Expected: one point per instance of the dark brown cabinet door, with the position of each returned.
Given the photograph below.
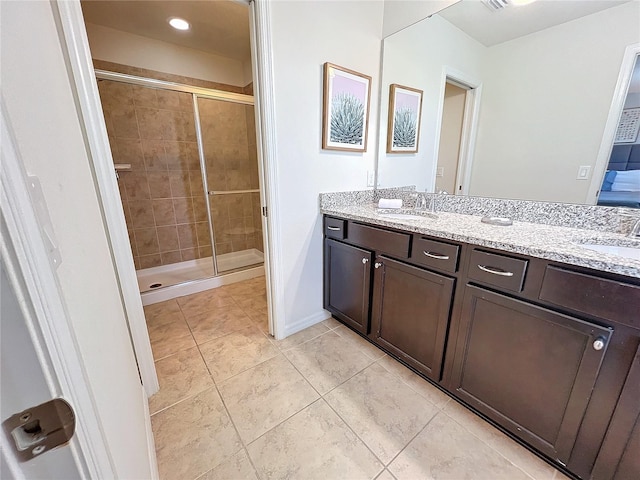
(347, 283)
(410, 313)
(529, 369)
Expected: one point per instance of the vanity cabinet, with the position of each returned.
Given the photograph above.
(528, 368)
(410, 315)
(548, 352)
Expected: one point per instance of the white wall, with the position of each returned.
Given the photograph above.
(40, 105)
(545, 103)
(346, 33)
(126, 48)
(417, 57)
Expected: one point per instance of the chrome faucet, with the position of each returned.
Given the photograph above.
(421, 203)
(635, 230)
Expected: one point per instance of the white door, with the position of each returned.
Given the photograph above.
(23, 385)
(78, 311)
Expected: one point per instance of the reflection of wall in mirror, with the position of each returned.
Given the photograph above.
(545, 107)
(541, 117)
(415, 57)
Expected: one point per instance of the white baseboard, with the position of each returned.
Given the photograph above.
(305, 323)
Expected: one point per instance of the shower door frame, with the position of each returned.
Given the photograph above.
(196, 93)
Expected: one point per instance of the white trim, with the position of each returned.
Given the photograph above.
(264, 97)
(33, 277)
(306, 322)
(73, 38)
(617, 103)
(469, 126)
(151, 447)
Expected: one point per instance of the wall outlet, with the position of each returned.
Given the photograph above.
(583, 172)
(371, 178)
(440, 172)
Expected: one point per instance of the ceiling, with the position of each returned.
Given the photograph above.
(219, 27)
(493, 27)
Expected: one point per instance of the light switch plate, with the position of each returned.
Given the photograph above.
(370, 178)
(440, 172)
(583, 172)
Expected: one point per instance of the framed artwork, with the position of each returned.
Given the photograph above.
(345, 112)
(405, 109)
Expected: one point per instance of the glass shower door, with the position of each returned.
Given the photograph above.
(230, 157)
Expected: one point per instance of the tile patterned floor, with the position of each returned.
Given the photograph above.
(324, 403)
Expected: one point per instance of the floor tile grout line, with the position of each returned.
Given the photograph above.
(411, 440)
(489, 444)
(188, 397)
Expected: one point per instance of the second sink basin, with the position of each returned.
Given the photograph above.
(621, 251)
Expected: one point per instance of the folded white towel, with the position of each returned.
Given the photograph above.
(390, 203)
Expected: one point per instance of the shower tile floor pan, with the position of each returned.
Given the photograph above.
(187, 271)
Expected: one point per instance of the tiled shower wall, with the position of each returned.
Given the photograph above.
(162, 194)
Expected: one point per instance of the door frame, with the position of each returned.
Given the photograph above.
(30, 267)
(469, 132)
(75, 44)
(615, 111)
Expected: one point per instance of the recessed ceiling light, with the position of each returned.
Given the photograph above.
(179, 23)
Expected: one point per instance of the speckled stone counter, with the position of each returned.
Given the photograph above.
(551, 242)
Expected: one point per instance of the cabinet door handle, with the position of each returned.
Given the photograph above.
(377, 264)
(335, 229)
(365, 260)
(437, 256)
(495, 271)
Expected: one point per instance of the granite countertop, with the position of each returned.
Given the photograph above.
(561, 244)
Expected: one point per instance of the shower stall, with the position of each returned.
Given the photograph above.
(187, 167)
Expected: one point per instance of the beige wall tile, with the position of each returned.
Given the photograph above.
(150, 122)
(141, 213)
(180, 185)
(144, 96)
(204, 252)
(183, 208)
(159, 184)
(187, 236)
(125, 124)
(154, 155)
(169, 99)
(148, 261)
(163, 212)
(189, 253)
(204, 238)
(147, 241)
(171, 257)
(222, 248)
(136, 185)
(168, 238)
(129, 151)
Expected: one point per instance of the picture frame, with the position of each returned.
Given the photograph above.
(405, 113)
(345, 112)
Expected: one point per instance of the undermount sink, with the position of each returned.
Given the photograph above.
(621, 251)
(405, 216)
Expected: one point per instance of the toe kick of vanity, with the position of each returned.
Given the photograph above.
(548, 352)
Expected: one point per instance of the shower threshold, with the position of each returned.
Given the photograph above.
(161, 283)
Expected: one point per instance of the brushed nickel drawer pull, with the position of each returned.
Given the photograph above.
(495, 271)
(437, 256)
(335, 229)
(365, 261)
(377, 264)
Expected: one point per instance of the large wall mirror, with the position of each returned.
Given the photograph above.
(517, 100)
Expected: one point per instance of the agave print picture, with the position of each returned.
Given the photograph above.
(405, 108)
(345, 113)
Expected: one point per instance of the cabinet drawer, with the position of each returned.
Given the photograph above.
(497, 270)
(433, 253)
(392, 243)
(600, 297)
(335, 228)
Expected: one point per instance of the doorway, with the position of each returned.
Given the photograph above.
(460, 104)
